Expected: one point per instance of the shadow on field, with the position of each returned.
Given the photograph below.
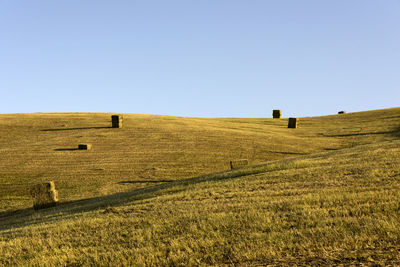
(288, 153)
(145, 181)
(395, 132)
(71, 129)
(13, 220)
(66, 149)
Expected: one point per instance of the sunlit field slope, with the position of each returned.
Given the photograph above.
(150, 149)
(159, 192)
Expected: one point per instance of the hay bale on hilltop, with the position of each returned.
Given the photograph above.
(276, 114)
(84, 146)
(116, 121)
(238, 163)
(44, 195)
(292, 123)
(342, 112)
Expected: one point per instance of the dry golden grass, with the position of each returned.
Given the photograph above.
(325, 193)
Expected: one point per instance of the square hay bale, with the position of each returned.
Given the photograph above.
(116, 121)
(342, 112)
(44, 195)
(292, 123)
(238, 163)
(276, 114)
(84, 146)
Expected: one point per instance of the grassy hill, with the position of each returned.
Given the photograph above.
(158, 191)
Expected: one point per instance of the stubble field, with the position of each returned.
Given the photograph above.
(159, 191)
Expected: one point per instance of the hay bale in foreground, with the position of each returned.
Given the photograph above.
(292, 123)
(238, 163)
(342, 112)
(276, 114)
(116, 121)
(44, 195)
(84, 146)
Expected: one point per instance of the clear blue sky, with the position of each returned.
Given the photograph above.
(204, 58)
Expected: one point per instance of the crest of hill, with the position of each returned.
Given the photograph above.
(153, 149)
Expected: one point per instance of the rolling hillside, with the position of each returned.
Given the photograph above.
(158, 191)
